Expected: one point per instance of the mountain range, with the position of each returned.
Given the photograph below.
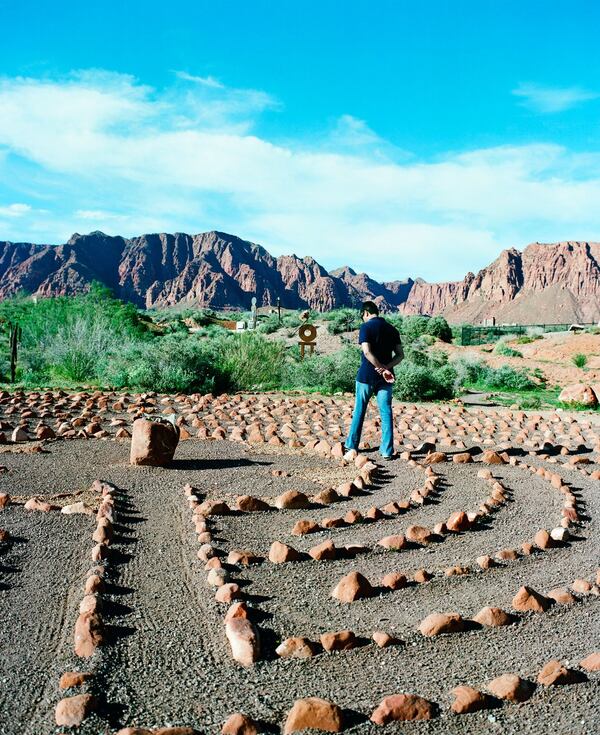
(544, 283)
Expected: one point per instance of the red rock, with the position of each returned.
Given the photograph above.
(462, 458)
(438, 623)
(4, 500)
(543, 539)
(238, 724)
(493, 617)
(73, 679)
(280, 553)
(491, 457)
(90, 604)
(527, 548)
(582, 586)
(591, 662)
(244, 641)
(333, 522)
(403, 707)
(227, 593)
(40, 505)
(507, 555)
(72, 711)
(324, 551)
(485, 562)
(327, 496)
(456, 571)
(458, 521)
(304, 526)
(467, 699)
(100, 552)
(578, 393)
(89, 633)
(419, 534)
(237, 610)
(354, 586)
(394, 581)
(213, 508)
(153, 442)
(296, 648)
(292, 499)
(555, 673)
(248, 503)
(528, 599)
(395, 543)
(511, 687)
(422, 575)
(342, 640)
(243, 558)
(315, 713)
(562, 596)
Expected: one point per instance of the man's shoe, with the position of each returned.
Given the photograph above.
(388, 457)
(350, 455)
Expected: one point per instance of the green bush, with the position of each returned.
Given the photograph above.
(415, 382)
(579, 360)
(343, 320)
(470, 370)
(413, 327)
(503, 349)
(325, 373)
(250, 361)
(438, 327)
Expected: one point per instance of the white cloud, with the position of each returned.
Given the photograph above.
(552, 99)
(205, 81)
(116, 155)
(14, 210)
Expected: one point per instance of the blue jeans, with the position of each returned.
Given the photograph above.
(364, 391)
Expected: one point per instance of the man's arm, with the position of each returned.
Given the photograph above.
(398, 356)
(367, 352)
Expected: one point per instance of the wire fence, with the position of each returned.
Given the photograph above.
(469, 335)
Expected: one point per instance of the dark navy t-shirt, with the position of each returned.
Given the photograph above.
(383, 338)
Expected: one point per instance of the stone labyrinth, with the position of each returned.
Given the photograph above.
(263, 583)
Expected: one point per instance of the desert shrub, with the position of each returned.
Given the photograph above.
(438, 327)
(343, 320)
(413, 327)
(268, 325)
(249, 361)
(416, 382)
(396, 320)
(508, 378)
(504, 349)
(593, 330)
(325, 373)
(579, 360)
(525, 339)
(535, 332)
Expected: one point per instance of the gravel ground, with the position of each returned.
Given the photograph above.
(167, 661)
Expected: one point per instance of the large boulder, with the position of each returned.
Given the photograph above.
(579, 393)
(153, 442)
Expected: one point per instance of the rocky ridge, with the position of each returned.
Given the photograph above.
(557, 282)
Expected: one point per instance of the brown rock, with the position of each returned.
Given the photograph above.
(244, 558)
(582, 586)
(238, 724)
(280, 553)
(422, 575)
(394, 543)
(89, 633)
(4, 500)
(511, 687)
(72, 711)
(153, 442)
(555, 673)
(462, 458)
(507, 555)
(227, 593)
(493, 617)
(543, 540)
(213, 508)
(324, 551)
(354, 586)
(342, 640)
(134, 731)
(394, 581)
(578, 393)
(467, 699)
(237, 610)
(315, 713)
(296, 648)
(485, 562)
(40, 505)
(419, 534)
(292, 499)
(491, 457)
(304, 526)
(403, 707)
(248, 503)
(244, 641)
(591, 662)
(528, 599)
(73, 679)
(562, 596)
(438, 623)
(458, 521)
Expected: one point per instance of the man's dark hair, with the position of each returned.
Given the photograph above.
(370, 307)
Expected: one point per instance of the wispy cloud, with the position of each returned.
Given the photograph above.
(14, 210)
(205, 81)
(102, 151)
(548, 100)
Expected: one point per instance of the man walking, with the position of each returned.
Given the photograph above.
(381, 352)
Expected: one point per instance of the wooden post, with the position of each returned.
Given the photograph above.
(13, 341)
(279, 308)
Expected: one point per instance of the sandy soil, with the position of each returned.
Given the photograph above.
(166, 660)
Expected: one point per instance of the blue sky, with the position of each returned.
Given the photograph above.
(400, 138)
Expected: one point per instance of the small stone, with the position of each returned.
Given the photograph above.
(237, 610)
(296, 648)
(543, 540)
(315, 713)
(324, 551)
(419, 534)
(438, 623)
(456, 571)
(79, 507)
(491, 457)
(560, 534)
(384, 640)
(507, 555)
(434, 458)
(462, 458)
(89, 633)
(40, 505)
(493, 617)
(217, 577)
(19, 435)
(562, 596)
(244, 641)
(72, 711)
(403, 707)
(248, 504)
(292, 499)
(591, 662)
(243, 558)
(485, 562)
(213, 508)
(511, 687)
(73, 679)
(4, 500)
(305, 526)
(467, 699)
(227, 593)
(394, 543)
(394, 581)
(582, 586)
(458, 521)
(354, 586)
(528, 599)
(422, 575)
(238, 724)
(554, 673)
(342, 640)
(280, 553)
